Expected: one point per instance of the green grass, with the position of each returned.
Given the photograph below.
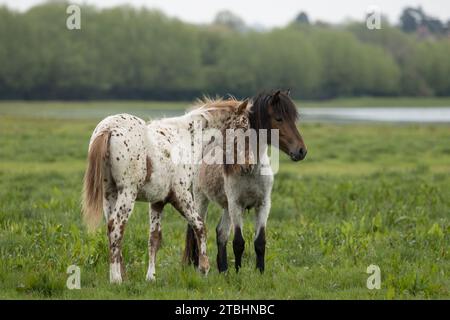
(366, 194)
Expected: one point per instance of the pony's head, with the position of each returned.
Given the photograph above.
(240, 118)
(276, 110)
(223, 114)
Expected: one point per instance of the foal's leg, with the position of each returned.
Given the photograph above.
(223, 230)
(262, 213)
(116, 227)
(238, 241)
(154, 240)
(109, 198)
(191, 249)
(183, 201)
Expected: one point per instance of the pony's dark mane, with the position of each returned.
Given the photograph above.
(282, 106)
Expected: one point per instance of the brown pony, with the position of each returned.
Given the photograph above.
(237, 187)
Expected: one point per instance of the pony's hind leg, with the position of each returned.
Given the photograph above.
(154, 240)
(116, 227)
(183, 201)
(223, 230)
(262, 213)
(191, 255)
(128, 168)
(109, 197)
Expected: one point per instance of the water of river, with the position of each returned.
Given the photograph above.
(391, 114)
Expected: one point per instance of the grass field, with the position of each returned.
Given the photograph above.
(366, 194)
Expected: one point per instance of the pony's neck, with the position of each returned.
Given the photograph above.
(186, 121)
(262, 153)
(258, 124)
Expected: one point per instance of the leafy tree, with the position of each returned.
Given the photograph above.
(302, 18)
(131, 53)
(230, 20)
(411, 19)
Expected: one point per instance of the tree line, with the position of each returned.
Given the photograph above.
(127, 53)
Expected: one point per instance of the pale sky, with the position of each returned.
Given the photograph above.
(268, 13)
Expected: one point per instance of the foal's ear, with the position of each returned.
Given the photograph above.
(243, 106)
(276, 96)
(288, 92)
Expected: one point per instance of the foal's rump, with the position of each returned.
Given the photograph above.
(117, 159)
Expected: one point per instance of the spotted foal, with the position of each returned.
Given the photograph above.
(130, 160)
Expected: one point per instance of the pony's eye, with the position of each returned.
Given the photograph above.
(279, 119)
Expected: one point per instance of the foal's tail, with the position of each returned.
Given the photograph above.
(92, 202)
(191, 250)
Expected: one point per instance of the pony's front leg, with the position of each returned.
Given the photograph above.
(154, 240)
(223, 230)
(183, 201)
(262, 213)
(116, 228)
(238, 240)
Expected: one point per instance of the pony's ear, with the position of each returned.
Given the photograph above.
(288, 92)
(276, 96)
(243, 106)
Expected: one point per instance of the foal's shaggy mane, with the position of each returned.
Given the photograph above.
(207, 105)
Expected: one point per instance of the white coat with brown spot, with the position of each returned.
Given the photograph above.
(130, 160)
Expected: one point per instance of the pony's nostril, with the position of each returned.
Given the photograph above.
(298, 155)
(302, 152)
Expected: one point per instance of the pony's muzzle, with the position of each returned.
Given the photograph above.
(298, 155)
